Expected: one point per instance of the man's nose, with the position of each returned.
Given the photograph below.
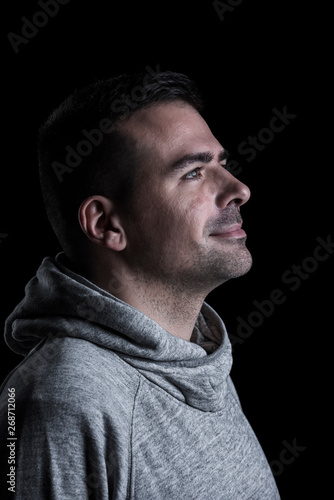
(231, 190)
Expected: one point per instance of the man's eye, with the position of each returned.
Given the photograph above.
(194, 174)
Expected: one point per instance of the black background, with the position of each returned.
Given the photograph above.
(263, 55)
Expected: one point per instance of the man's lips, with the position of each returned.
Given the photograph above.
(234, 231)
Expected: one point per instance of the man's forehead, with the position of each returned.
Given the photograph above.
(162, 118)
(170, 129)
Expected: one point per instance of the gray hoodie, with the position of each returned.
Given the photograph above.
(109, 405)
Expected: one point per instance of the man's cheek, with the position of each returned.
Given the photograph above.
(169, 213)
(201, 201)
(198, 212)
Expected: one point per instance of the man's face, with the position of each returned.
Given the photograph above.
(185, 228)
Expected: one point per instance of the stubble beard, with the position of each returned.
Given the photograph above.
(203, 271)
(196, 269)
(212, 268)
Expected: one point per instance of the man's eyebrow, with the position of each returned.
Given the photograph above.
(189, 159)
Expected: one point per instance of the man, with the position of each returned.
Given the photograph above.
(125, 391)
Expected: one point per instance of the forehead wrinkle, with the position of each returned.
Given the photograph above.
(175, 137)
(148, 127)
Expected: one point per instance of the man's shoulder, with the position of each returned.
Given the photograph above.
(63, 370)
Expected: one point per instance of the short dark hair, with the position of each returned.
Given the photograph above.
(82, 152)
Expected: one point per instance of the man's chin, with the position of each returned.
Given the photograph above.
(236, 263)
(243, 261)
(245, 266)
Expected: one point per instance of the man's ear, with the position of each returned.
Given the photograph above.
(101, 223)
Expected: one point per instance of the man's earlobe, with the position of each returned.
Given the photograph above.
(101, 223)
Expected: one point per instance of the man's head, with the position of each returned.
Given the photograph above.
(154, 194)
(83, 152)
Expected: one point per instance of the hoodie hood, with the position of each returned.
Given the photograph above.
(59, 303)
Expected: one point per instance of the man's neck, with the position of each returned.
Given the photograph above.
(174, 309)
